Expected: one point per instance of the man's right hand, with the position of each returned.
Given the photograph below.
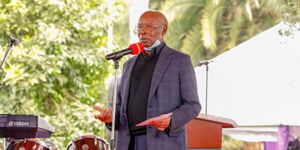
(105, 114)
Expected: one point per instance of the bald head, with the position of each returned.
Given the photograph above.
(152, 26)
(160, 17)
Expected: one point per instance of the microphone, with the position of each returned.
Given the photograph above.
(13, 41)
(203, 62)
(133, 49)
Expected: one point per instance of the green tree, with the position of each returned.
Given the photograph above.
(58, 70)
(206, 28)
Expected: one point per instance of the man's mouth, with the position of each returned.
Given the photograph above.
(143, 39)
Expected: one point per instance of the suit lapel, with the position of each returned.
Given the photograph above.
(160, 69)
(127, 75)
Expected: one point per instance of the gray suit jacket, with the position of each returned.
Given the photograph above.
(173, 89)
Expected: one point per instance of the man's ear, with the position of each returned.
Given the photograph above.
(164, 30)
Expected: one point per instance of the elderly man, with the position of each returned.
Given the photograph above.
(158, 82)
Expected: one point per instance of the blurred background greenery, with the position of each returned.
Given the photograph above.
(58, 70)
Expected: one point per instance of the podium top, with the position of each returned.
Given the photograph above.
(226, 123)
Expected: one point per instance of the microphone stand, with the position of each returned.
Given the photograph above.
(112, 137)
(206, 87)
(11, 43)
(206, 82)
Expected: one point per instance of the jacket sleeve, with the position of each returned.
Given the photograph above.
(190, 106)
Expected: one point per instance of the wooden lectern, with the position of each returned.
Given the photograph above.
(205, 132)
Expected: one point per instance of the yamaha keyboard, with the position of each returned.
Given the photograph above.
(24, 126)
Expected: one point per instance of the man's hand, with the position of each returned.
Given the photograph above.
(163, 122)
(105, 114)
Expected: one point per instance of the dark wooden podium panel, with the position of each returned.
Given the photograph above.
(205, 131)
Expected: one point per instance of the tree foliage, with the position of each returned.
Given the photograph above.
(206, 28)
(58, 70)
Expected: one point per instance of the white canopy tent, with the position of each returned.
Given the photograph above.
(256, 84)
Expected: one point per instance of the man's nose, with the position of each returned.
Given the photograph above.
(142, 32)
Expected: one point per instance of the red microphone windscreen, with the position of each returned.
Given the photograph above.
(136, 48)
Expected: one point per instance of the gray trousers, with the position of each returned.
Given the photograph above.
(138, 142)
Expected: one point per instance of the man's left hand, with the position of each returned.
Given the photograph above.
(163, 122)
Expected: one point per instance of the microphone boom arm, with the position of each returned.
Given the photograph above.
(12, 42)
